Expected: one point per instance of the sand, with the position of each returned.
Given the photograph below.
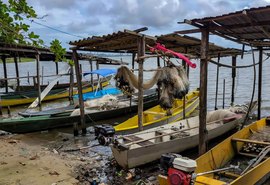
(32, 159)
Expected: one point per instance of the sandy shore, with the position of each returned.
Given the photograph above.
(36, 159)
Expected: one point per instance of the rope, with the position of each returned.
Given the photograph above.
(246, 66)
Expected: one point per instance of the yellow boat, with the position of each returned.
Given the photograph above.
(235, 146)
(156, 116)
(29, 97)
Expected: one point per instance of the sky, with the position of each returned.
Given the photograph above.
(85, 18)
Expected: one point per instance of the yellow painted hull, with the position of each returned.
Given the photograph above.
(63, 94)
(224, 152)
(156, 116)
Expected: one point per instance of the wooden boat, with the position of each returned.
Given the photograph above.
(236, 148)
(146, 146)
(63, 119)
(156, 116)
(20, 98)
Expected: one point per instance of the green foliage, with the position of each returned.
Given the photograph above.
(58, 50)
(13, 29)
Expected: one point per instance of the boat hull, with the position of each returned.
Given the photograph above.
(39, 123)
(226, 151)
(135, 157)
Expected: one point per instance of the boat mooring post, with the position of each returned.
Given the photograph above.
(184, 64)
(79, 86)
(141, 52)
(158, 64)
(5, 72)
(233, 78)
(224, 90)
(71, 85)
(203, 90)
(260, 82)
(17, 72)
(217, 77)
(38, 81)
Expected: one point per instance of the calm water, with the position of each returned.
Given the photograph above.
(243, 88)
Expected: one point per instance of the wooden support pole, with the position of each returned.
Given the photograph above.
(217, 77)
(224, 91)
(184, 64)
(203, 91)
(260, 82)
(57, 70)
(141, 52)
(38, 82)
(133, 60)
(5, 72)
(91, 69)
(79, 86)
(1, 112)
(233, 78)
(17, 73)
(158, 86)
(71, 85)
(42, 75)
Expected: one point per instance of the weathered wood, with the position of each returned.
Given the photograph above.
(217, 78)
(17, 72)
(5, 72)
(91, 69)
(79, 86)
(38, 81)
(260, 82)
(42, 75)
(224, 90)
(56, 69)
(71, 85)
(203, 91)
(141, 52)
(133, 60)
(233, 78)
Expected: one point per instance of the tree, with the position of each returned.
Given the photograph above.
(13, 28)
(59, 52)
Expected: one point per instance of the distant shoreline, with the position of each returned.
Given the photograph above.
(11, 60)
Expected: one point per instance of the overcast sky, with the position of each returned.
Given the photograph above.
(86, 18)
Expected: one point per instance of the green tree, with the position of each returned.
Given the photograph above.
(58, 50)
(13, 28)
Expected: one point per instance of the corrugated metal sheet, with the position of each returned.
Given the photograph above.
(249, 25)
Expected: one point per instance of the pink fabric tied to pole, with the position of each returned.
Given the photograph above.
(161, 47)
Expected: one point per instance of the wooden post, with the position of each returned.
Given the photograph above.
(91, 69)
(71, 85)
(224, 90)
(158, 86)
(203, 91)
(141, 52)
(133, 60)
(17, 73)
(217, 77)
(184, 64)
(42, 75)
(38, 82)
(233, 78)
(56, 69)
(5, 72)
(79, 86)
(1, 112)
(260, 82)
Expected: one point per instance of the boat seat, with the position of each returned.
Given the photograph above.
(132, 138)
(250, 141)
(155, 113)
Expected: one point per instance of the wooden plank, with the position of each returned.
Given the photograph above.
(155, 113)
(38, 81)
(250, 141)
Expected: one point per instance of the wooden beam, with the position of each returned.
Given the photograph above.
(17, 72)
(141, 52)
(79, 86)
(5, 72)
(260, 82)
(233, 78)
(217, 78)
(38, 81)
(140, 35)
(203, 91)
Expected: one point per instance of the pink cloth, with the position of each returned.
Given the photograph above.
(161, 47)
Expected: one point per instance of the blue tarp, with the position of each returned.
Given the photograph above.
(102, 72)
(100, 93)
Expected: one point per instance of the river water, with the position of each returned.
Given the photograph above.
(243, 87)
